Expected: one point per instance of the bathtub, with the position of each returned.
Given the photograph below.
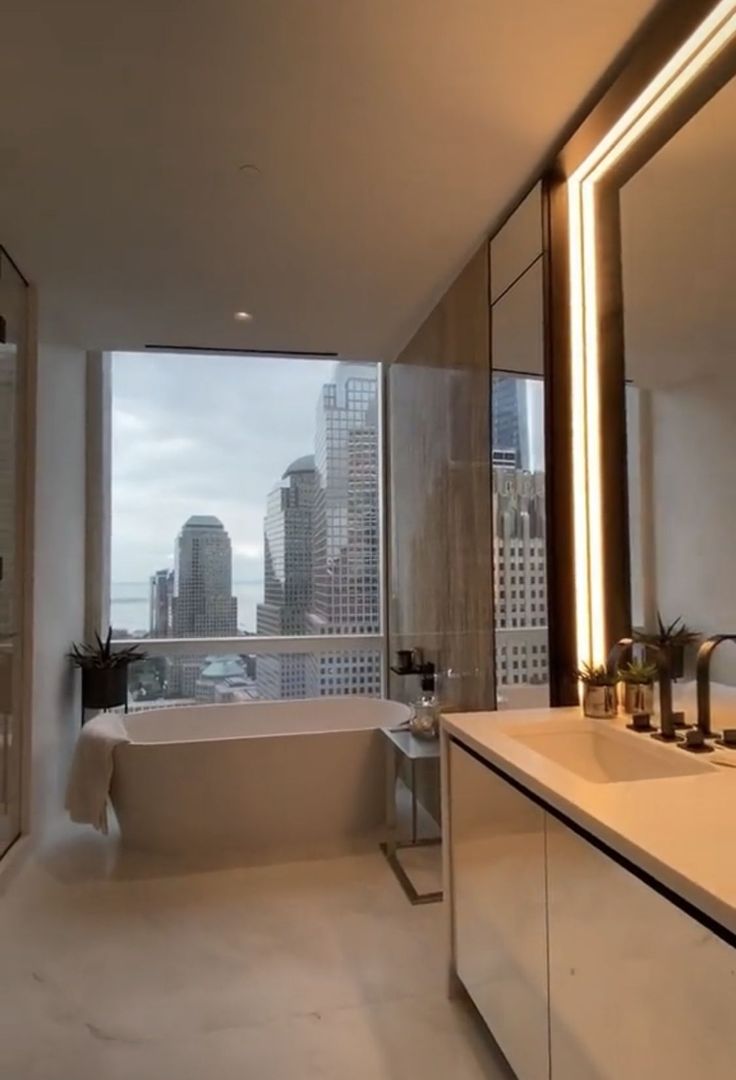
(265, 780)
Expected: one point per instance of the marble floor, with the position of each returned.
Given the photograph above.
(113, 968)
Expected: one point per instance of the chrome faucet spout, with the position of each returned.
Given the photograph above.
(617, 653)
(702, 677)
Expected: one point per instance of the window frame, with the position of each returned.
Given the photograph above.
(98, 537)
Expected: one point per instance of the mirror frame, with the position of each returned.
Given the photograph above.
(687, 55)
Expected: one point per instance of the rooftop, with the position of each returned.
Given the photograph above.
(300, 465)
(222, 668)
(203, 521)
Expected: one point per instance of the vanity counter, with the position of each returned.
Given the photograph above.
(679, 830)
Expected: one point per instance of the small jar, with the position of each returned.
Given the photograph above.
(424, 721)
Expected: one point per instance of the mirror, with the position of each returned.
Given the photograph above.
(521, 632)
(678, 233)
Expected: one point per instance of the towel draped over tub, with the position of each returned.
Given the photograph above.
(90, 776)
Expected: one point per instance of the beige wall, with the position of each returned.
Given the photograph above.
(693, 448)
(59, 570)
(439, 512)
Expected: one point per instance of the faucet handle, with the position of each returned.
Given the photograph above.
(641, 722)
(695, 742)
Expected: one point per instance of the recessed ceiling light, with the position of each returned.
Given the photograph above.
(242, 316)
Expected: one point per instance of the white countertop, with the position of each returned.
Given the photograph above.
(681, 830)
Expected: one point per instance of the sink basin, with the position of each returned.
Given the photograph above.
(604, 755)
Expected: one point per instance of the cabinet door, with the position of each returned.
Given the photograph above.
(498, 882)
(638, 989)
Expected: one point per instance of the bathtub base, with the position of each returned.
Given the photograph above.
(263, 799)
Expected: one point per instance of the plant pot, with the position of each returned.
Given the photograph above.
(638, 698)
(676, 660)
(599, 702)
(104, 688)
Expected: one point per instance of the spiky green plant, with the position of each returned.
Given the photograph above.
(102, 655)
(676, 633)
(638, 673)
(596, 675)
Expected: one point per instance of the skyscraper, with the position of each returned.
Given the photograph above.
(510, 414)
(203, 604)
(162, 595)
(520, 577)
(287, 595)
(346, 530)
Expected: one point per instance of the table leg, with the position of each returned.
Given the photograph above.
(391, 763)
(413, 801)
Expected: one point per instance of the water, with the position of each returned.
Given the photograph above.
(130, 604)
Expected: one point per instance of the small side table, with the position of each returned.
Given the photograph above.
(402, 745)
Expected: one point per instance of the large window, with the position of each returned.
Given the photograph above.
(520, 558)
(246, 504)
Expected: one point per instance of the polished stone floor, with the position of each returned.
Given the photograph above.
(113, 968)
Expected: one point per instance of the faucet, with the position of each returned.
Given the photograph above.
(702, 675)
(412, 662)
(669, 721)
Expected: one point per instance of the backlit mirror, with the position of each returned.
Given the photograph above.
(678, 227)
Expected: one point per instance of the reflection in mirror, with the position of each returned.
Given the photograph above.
(678, 227)
(519, 545)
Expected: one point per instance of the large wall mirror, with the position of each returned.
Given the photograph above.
(677, 220)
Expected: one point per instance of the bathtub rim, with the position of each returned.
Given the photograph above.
(284, 704)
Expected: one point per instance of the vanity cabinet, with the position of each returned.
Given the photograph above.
(580, 969)
(638, 989)
(500, 941)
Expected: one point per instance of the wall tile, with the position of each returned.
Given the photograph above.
(439, 447)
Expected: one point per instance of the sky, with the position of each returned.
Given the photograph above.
(203, 434)
(535, 406)
(211, 434)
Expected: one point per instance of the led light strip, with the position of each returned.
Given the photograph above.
(690, 60)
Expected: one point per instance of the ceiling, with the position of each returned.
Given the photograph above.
(388, 136)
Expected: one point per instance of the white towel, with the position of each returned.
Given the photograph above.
(91, 772)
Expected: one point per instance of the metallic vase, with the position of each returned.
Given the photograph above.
(599, 702)
(638, 698)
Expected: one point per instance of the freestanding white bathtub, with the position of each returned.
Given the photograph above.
(264, 780)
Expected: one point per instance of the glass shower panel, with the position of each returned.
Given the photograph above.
(13, 301)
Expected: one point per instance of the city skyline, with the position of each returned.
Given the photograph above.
(206, 435)
(320, 568)
(131, 593)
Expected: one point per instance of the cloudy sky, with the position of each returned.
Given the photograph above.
(203, 435)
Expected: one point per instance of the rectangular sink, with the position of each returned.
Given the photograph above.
(604, 755)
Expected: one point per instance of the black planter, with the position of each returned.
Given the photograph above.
(105, 688)
(676, 657)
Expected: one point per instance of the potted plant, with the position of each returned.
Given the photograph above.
(104, 671)
(638, 679)
(599, 690)
(672, 638)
